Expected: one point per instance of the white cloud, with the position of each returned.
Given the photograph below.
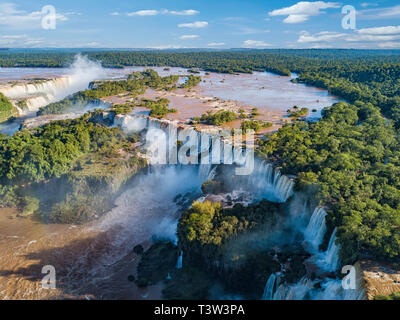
(20, 41)
(189, 37)
(303, 10)
(14, 37)
(367, 4)
(371, 38)
(216, 44)
(197, 24)
(255, 44)
(168, 46)
(296, 18)
(389, 45)
(243, 30)
(381, 30)
(327, 36)
(143, 13)
(115, 13)
(381, 13)
(92, 44)
(12, 17)
(189, 12)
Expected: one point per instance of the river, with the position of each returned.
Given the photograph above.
(94, 260)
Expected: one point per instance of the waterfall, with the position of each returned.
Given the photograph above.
(179, 262)
(265, 181)
(283, 187)
(329, 260)
(26, 90)
(35, 103)
(204, 171)
(297, 291)
(316, 228)
(40, 93)
(212, 173)
(330, 290)
(269, 287)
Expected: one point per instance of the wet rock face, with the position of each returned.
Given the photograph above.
(379, 278)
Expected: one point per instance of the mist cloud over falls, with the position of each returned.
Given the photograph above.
(80, 73)
(38, 94)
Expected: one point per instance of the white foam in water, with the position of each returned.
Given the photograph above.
(269, 287)
(328, 260)
(315, 231)
(79, 75)
(296, 291)
(179, 263)
(270, 184)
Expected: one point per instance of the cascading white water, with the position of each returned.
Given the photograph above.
(329, 260)
(283, 187)
(275, 187)
(40, 93)
(267, 182)
(269, 287)
(44, 87)
(315, 231)
(212, 173)
(180, 260)
(297, 291)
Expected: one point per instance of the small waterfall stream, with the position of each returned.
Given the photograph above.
(269, 287)
(328, 260)
(316, 228)
(180, 260)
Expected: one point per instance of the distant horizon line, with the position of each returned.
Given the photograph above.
(200, 48)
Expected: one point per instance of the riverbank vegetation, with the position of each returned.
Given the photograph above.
(7, 110)
(191, 82)
(254, 125)
(158, 108)
(218, 118)
(218, 240)
(352, 159)
(136, 84)
(65, 171)
(298, 113)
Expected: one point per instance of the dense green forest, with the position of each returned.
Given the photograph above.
(351, 158)
(219, 242)
(158, 108)
(6, 108)
(63, 171)
(217, 118)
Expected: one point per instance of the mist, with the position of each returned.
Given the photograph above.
(80, 73)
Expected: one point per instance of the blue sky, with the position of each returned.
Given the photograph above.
(200, 24)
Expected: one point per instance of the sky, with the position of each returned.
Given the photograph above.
(222, 24)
